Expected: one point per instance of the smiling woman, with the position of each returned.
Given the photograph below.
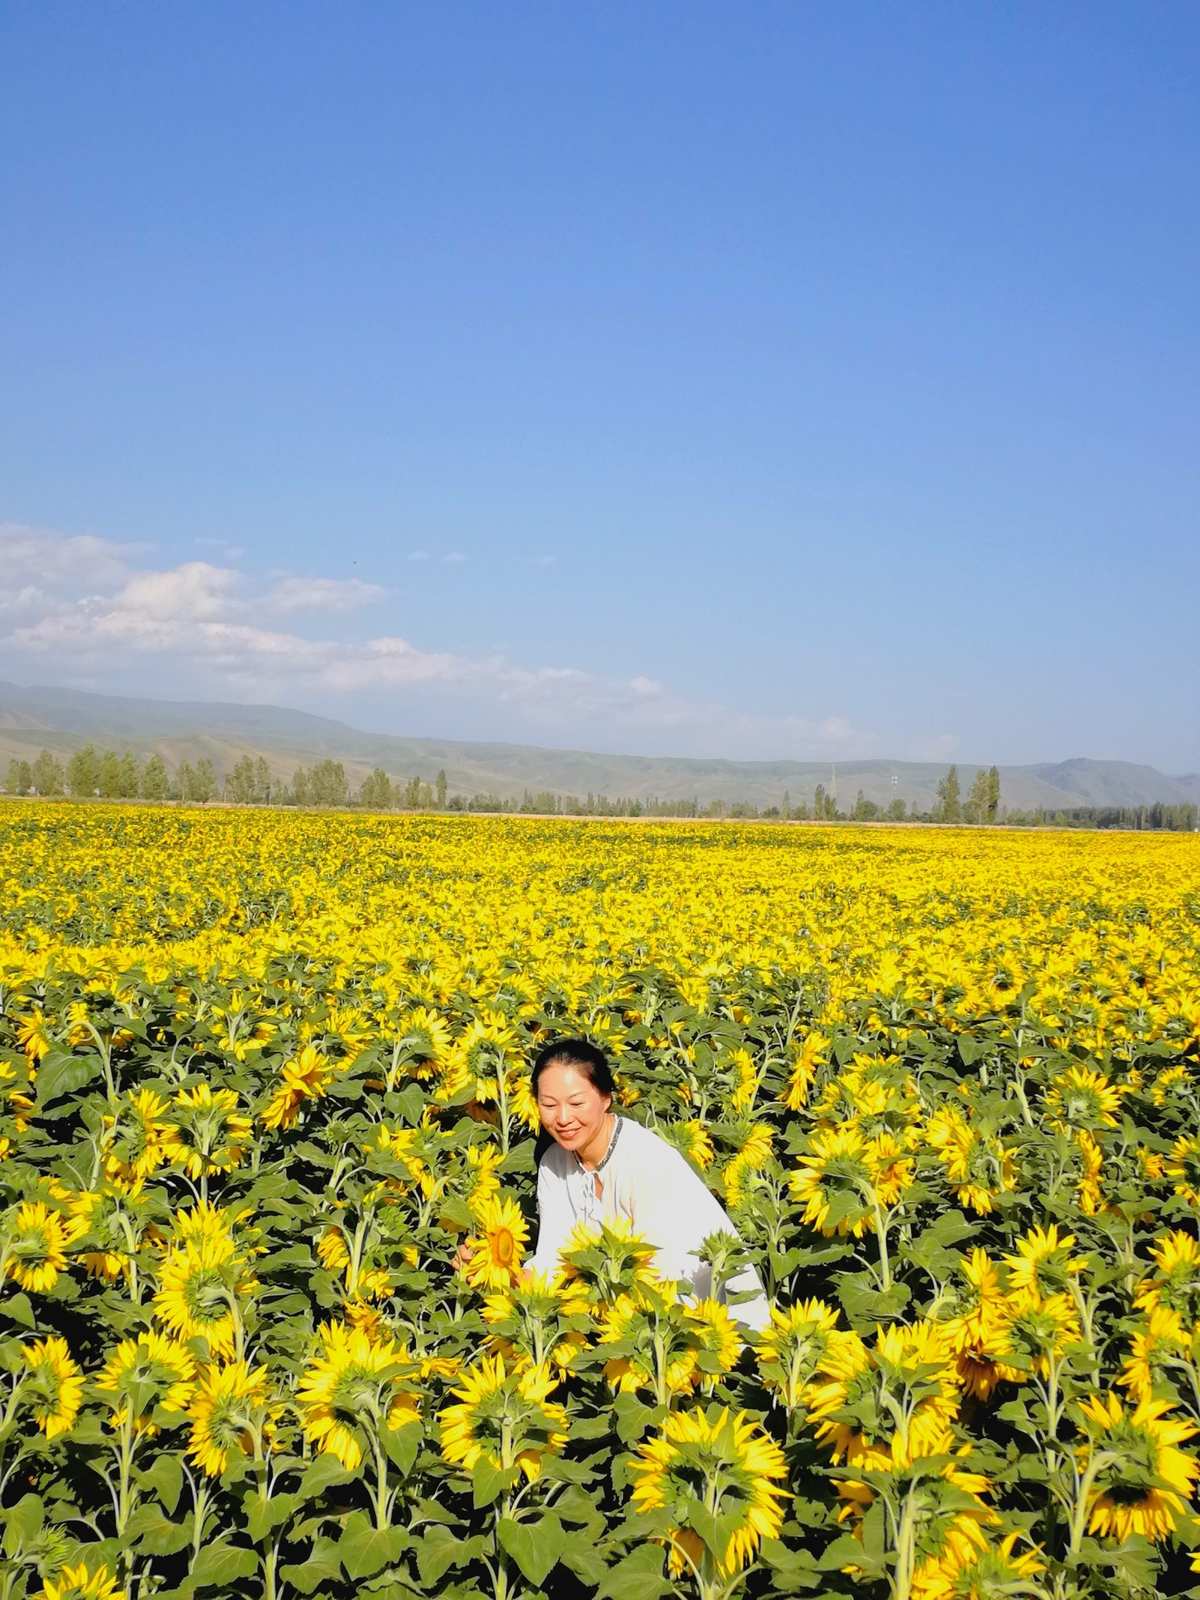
(601, 1166)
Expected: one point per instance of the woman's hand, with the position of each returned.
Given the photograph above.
(462, 1256)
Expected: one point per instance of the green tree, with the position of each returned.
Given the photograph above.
(896, 810)
(20, 776)
(949, 798)
(155, 783)
(47, 774)
(204, 783)
(328, 784)
(239, 785)
(109, 776)
(440, 787)
(262, 781)
(301, 787)
(993, 794)
(83, 772)
(975, 809)
(129, 778)
(375, 791)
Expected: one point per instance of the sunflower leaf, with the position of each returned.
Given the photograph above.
(534, 1546)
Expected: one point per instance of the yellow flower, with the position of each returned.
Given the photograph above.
(790, 1348)
(1081, 1097)
(1043, 1264)
(231, 1410)
(1141, 1481)
(353, 1388)
(847, 1405)
(835, 1183)
(305, 1078)
(208, 1133)
(199, 1286)
(1182, 1166)
(724, 1464)
(144, 1373)
(81, 1582)
(499, 1247)
(38, 1239)
(504, 1418)
(52, 1386)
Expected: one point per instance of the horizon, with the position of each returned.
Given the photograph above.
(771, 387)
(566, 749)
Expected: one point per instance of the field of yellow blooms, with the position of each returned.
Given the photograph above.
(262, 1074)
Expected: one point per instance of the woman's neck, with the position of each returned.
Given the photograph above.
(593, 1154)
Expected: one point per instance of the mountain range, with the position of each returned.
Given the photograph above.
(62, 720)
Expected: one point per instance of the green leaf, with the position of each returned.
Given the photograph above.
(439, 1549)
(488, 1481)
(401, 1445)
(22, 1524)
(534, 1546)
(633, 1418)
(59, 1075)
(165, 1479)
(322, 1475)
(222, 1563)
(19, 1310)
(320, 1567)
(638, 1577)
(365, 1550)
(154, 1534)
(263, 1515)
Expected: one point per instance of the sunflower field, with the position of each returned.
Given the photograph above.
(267, 1187)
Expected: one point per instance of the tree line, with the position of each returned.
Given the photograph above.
(92, 773)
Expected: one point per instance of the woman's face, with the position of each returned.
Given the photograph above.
(572, 1109)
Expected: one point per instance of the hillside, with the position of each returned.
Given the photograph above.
(62, 720)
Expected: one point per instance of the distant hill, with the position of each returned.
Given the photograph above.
(62, 720)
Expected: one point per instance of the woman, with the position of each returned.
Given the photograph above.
(599, 1165)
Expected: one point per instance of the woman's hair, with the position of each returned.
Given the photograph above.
(590, 1060)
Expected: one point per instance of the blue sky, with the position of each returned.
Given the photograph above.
(773, 380)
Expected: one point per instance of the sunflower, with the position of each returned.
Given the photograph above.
(812, 1054)
(834, 1183)
(1160, 1338)
(790, 1348)
(1041, 1332)
(1091, 1158)
(692, 1140)
(231, 1407)
(1043, 1264)
(891, 1168)
(1083, 1098)
(755, 1151)
(199, 1284)
(81, 1582)
(208, 1133)
(362, 1279)
(33, 1034)
(965, 1570)
(144, 1373)
(716, 1339)
(1141, 1480)
(38, 1238)
(978, 1166)
(497, 1250)
(1182, 1167)
(504, 1418)
(352, 1388)
(725, 1466)
(1176, 1282)
(848, 1399)
(652, 1344)
(52, 1386)
(980, 1333)
(536, 1319)
(304, 1078)
(132, 1140)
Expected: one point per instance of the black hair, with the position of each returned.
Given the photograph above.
(590, 1060)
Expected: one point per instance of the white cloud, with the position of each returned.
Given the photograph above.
(81, 605)
(323, 594)
(419, 555)
(453, 558)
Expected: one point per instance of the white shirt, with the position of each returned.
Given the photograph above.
(649, 1184)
